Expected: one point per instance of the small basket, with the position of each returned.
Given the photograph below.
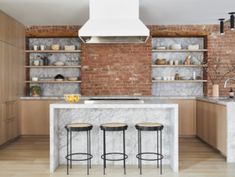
(55, 47)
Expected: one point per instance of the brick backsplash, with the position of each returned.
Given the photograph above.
(125, 69)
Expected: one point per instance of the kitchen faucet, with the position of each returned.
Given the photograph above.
(226, 81)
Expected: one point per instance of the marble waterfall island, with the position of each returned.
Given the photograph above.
(127, 112)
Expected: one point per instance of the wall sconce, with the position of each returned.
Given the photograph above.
(221, 26)
(231, 20)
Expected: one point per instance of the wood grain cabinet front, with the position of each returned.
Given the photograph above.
(34, 117)
(212, 124)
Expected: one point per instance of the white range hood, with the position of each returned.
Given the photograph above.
(114, 21)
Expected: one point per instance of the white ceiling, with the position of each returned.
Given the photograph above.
(152, 12)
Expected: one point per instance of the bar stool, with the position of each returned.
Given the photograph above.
(150, 126)
(78, 127)
(114, 127)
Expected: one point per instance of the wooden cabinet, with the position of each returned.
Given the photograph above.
(9, 121)
(187, 116)
(35, 117)
(12, 39)
(211, 124)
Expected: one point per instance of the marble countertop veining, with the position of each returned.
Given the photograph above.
(152, 99)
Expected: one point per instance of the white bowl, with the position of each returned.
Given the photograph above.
(176, 46)
(72, 78)
(59, 63)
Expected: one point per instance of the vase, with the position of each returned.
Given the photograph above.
(46, 61)
(215, 90)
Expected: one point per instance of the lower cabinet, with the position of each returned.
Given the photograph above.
(211, 124)
(34, 115)
(9, 121)
(187, 116)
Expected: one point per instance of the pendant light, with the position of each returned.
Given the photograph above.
(221, 26)
(231, 20)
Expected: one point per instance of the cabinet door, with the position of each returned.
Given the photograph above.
(3, 26)
(199, 120)
(187, 120)
(221, 129)
(35, 117)
(187, 117)
(9, 121)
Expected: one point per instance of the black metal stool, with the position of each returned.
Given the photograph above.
(114, 127)
(150, 126)
(78, 127)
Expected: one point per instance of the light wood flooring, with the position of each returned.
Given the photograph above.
(29, 157)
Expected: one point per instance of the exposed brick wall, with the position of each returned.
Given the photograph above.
(125, 69)
(222, 47)
(117, 69)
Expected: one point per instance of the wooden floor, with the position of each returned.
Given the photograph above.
(29, 157)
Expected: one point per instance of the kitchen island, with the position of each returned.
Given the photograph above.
(116, 111)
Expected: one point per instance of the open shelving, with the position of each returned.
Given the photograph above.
(53, 51)
(73, 66)
(175, 66)
(179, 81)
(70, 69)
(180, 50)
(52, 82)
(198, 60)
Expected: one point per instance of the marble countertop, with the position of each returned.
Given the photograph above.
(113, 104)
(87, 97)
(147, 99)
(219, 100)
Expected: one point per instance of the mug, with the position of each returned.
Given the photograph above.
(42, 47)
(35, 47)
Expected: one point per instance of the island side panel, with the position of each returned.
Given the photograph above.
(131, 116)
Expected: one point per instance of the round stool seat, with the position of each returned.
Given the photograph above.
(149, 126)
(113, 126)
(79, 126)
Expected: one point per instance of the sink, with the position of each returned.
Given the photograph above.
(114, 101)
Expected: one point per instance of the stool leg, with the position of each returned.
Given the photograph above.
(89, 146)
(88, 164)
(71, 149)
(138, 147)
(124, 152)
(161, 151)
(104, 150)
(157, 148)
(67, 152)
(140, 155)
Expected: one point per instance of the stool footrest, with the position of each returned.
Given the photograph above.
(159, 156)
(69, 156)
(114, 153)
